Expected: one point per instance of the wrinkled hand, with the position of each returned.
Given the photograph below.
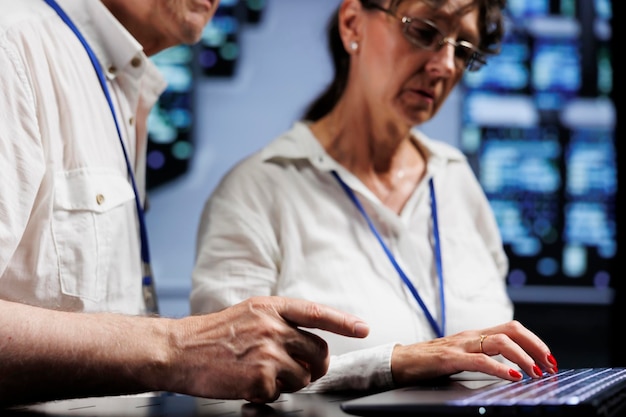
(254, 350)
(472, 350)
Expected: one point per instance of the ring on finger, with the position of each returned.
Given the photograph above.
(482, 339)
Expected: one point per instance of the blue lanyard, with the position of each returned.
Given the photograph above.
(147, 281)
(439, 330)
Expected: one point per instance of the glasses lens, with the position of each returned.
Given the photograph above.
(422, 33)
(426, 35)
(475, 61)
(464, 55)
(475, 65)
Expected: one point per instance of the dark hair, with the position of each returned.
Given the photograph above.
(491, 29)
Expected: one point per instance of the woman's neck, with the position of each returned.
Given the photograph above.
(391, 167)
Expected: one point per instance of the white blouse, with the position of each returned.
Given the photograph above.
(280, 224)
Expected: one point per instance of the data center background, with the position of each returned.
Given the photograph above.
(539, 124)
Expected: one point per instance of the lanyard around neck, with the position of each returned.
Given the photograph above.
(438, 329)
(147, 280)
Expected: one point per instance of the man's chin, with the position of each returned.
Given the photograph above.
(193, 31)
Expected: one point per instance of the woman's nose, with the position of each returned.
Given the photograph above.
(443, 59)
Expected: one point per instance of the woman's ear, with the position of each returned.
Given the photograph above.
(350, 21)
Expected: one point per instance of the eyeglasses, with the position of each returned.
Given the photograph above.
(426, 35)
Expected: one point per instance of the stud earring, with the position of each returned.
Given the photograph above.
(354, 45)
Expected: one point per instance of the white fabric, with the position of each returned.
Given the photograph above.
(280, 224)
(68, 224)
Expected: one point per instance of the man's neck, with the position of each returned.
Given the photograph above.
(135, 17)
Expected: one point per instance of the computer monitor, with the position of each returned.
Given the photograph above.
(539, 130)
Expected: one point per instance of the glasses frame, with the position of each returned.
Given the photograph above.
(476, 59)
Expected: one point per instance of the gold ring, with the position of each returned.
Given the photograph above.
(482, 339)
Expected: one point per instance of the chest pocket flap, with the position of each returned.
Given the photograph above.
(92, 191)
(94, 211)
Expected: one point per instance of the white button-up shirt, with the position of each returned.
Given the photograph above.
(68, 222)
(280, 224)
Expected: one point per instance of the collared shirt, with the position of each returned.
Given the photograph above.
(68, 223)
(280, 224)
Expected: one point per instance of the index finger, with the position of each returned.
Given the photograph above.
(305, 313)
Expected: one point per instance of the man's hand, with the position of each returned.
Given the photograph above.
(254, 350)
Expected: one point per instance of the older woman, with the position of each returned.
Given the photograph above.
(355, 208)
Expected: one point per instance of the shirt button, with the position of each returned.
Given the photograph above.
(99, 199)
(135, 62)
(131, 121)
(112, 69)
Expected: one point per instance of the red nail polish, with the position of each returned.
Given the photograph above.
(552, 360)
(515, 374)
(537, 371)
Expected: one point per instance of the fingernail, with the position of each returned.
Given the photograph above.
(361, 329)
(515, 374)
(537, 371)
(552, 360)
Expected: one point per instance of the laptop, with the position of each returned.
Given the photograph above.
(584, 392)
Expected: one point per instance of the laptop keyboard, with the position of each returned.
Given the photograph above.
(566, 387)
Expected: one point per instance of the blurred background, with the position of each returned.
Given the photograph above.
(538, 124)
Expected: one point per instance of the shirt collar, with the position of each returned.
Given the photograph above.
(299, 143)
(116, 49)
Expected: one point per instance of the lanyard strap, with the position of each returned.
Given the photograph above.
(147, 281)
(439, 330)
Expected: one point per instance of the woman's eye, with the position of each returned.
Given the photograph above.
(423, 34)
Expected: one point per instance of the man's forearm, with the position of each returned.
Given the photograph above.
(47, 355)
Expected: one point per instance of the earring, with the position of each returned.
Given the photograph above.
(354, 45)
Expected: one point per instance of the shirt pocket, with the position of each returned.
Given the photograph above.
(87, 205)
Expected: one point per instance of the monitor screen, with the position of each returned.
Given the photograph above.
(539, 130)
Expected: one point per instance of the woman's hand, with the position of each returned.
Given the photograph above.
(472, 350)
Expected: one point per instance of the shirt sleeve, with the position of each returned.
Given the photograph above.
(22, 163)
(364, 369)
(237, 253)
